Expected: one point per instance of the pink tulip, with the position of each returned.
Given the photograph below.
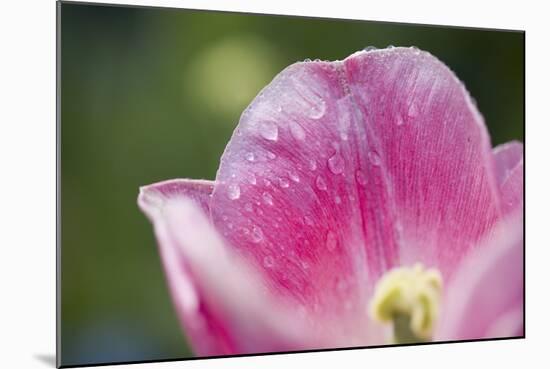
(358, 203)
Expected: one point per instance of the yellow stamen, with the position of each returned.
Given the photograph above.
(408, 297)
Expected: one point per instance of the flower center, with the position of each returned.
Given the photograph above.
(408, 297)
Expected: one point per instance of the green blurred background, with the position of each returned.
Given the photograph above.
(152, 94)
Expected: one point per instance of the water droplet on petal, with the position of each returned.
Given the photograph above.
(248, 207)
(252, 179)
(318, 110)
(413, 110)
(360, 177)
(374, 158)
(268, 199)
(269, 131)
(297, 131)
(308, 221)
(279, 108)
(268, 261)
(257, 234)
(336, 164)
(294, 177)
(250, 156)
(307, 60)
(331, 241)
(312, 164)
(338, 200)
(283, 182)
(233, 191)
(399, 120)
(271, 155)
(370, 48)
(320, 183)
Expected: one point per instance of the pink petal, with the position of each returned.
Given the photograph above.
(485, 297)
(155, 196)
(339, 171)
(218, 299)
(509, 164)
(287, 197)
(436, 166)
(507, 156)
(512, 189)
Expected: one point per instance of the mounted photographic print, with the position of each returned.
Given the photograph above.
(241, 184)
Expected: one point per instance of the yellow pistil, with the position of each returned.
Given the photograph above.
(408, 297)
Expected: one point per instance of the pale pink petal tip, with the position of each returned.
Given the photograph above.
(218, 298)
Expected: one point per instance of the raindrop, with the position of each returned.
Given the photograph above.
(294, 177)
(257, 234)
(399, 120)
(230, 225)
(307, 60)
(268, 261)
(269, 131)
(344, 136)
(312, 164)
(234, 191)
(268, 199)
(338, 200)
(390, 47)
(279, 108)
(374, 158)
(248, 207)
(370, 48)
(360, 177)
(321, 184)
(252, 179)
(250, 156)
(413, 110)
(283, 182)
(308, 221)
(297, 131)
(336, 164)
(271, 155)
(318, 110)
(304, 264)
(331, 241)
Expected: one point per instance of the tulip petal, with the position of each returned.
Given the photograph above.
(436, 161)
(287, 198)
(509, 169)
(339, 171)
(485, 297)
(507, 156)
(219, 300)
(153, 197)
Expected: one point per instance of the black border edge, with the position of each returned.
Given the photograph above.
(123, 5)
(58, 347)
